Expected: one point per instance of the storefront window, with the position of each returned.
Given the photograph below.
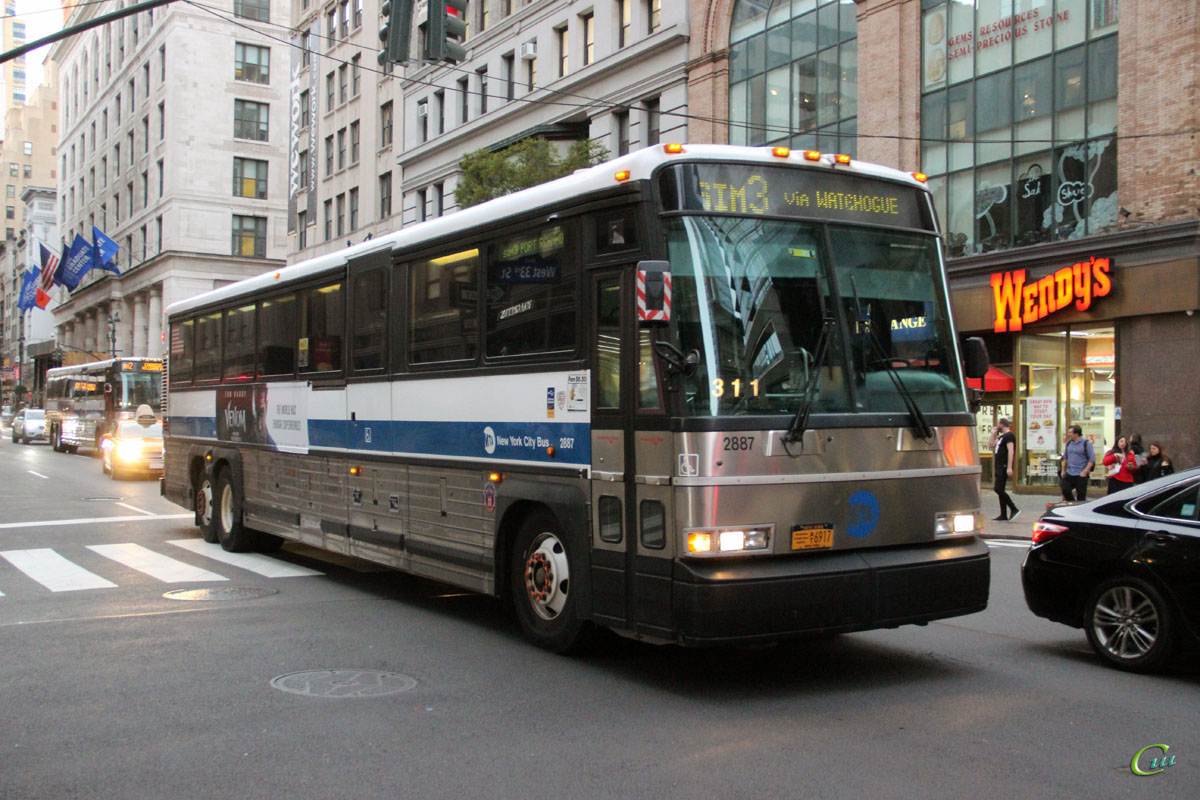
(793, 74)
(1018, 119)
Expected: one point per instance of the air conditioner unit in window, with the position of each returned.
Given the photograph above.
(423, 110)
(529, 50)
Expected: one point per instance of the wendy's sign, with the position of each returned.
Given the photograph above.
(1020, 303)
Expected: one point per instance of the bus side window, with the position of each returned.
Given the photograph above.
(615, 231)
(532, 293)
(208, 347)
(370, 297)
(608, 343)
(182, 351)
(322, 326)
(277, 336)
(443, 321)
(239, 343)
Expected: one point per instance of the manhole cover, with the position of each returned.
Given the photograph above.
(343, 683)
(220, 593)
(105, 498)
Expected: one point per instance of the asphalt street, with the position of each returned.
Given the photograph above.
(111, 689)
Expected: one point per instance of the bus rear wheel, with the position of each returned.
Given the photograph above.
(233, 535)
(205, 514)
(540, 583)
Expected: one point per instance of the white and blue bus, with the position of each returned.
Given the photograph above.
(698, 394)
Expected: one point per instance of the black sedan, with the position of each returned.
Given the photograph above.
(1125, 568)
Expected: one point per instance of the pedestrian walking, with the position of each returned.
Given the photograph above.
(1157, 464)
(1119, 465)
(1004, 446)
(1079, 459)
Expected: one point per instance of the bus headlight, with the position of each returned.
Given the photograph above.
(958, 523)
(728, 541)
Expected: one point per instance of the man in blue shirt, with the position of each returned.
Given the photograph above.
(1079, 459)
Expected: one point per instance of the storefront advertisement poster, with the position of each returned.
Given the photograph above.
(1040, 416)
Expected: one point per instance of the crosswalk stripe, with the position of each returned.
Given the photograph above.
(253, 562)
(55, 572)
(156, 565)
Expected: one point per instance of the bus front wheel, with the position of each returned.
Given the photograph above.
(205, 513)
(540, 582)
(233, 535)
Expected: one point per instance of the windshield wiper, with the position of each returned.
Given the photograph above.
(812, 381)
(920, 424)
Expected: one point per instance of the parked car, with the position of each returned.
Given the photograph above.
(134, 446)
(1125, 568)
(29, 424)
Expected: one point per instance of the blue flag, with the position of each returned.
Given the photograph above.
(104, 251)
(79, 260)
(29, 287)
(62, 265)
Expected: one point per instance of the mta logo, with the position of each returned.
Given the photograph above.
(864, 514)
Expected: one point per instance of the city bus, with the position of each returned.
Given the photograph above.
(86, 401)
(699, 394)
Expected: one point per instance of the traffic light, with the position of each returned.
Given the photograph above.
(396, 31)
(446, 30)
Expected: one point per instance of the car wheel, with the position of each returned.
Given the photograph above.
(233, 535)
(1130, 624)
(205, 511)
(540, 582)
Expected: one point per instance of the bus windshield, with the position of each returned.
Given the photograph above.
(772, 311)
(137, 388)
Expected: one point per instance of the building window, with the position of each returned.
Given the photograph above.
(356, 74)
(162, 120)
(328, 155)
(345, 17)
(793, 77)
(249, 236)
(482, 77)
(301, 229)
(341, 215)
(249, 178)
(328, 220)
(146, 134)
(341, 149)
(655, 9)
(589, 38)
(439, 102)
(354, 209)
(422, 121)
(29, 145)
(358, 13)
(621, 123)
(530, 74)
(251, 63)
(250, 120)
(304, 168)
(354, 141)
(253, 9)
(329, 92)
(161, 178)
(26, 171)
(464, 95)
(385, 195)
(563, 50)
(145, 189)
(305, 114)
(625, 22)
(385, 124)
(343, 82)
(510, 76)
(653, 121)
(331, 27)
(1019, 136)
(422, 205)
(437, 195)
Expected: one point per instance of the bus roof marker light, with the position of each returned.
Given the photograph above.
(842, 158)
(276, 276)
(622, 175)
(812, 155)
(495, 477)
(921, 176)
(355, 470)
(672, 149)
(781, 152)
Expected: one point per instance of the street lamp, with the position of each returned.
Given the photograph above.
(113, 319)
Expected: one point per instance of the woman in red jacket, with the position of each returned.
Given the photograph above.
(1120, 464)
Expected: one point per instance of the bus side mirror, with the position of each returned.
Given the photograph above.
(976, 354)
(654, 291)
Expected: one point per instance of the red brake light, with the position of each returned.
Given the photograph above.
(1046, 530)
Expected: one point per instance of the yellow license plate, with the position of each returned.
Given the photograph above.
(812, 537)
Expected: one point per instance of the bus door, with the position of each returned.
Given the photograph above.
(631, 466)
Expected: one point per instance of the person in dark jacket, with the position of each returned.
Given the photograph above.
(1139, 455)
(1157, 464)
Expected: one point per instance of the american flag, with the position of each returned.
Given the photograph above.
(49, 267)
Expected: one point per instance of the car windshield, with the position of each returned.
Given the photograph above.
(751, 297)
(35, 413)
(138, 388)
(136, 430)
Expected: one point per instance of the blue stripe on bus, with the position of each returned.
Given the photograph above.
(511, 441)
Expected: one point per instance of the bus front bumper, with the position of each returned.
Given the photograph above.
(761, 599)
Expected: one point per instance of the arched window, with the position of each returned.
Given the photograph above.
(793, 74)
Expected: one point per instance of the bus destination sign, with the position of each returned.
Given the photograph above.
(756, 190)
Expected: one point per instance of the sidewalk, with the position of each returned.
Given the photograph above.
(1032, 506)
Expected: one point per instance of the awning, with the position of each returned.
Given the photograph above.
(996, 380)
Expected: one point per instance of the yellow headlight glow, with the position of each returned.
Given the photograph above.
(699, 542)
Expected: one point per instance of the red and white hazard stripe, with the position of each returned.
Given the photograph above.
(643, 312)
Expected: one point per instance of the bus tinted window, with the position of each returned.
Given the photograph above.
(532, 292)
(616, 231)
(444, 318)
(239, 343)
(277, 336)
(182, 350)
(370, 321)
(208, 347)
(322, 326)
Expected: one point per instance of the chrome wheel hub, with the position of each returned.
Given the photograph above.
(1125, 622)
(547, 576)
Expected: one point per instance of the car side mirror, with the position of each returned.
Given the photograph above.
(976, 357)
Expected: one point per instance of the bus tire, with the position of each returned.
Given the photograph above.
(206, 518)
(232, 534)
(540, 582)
